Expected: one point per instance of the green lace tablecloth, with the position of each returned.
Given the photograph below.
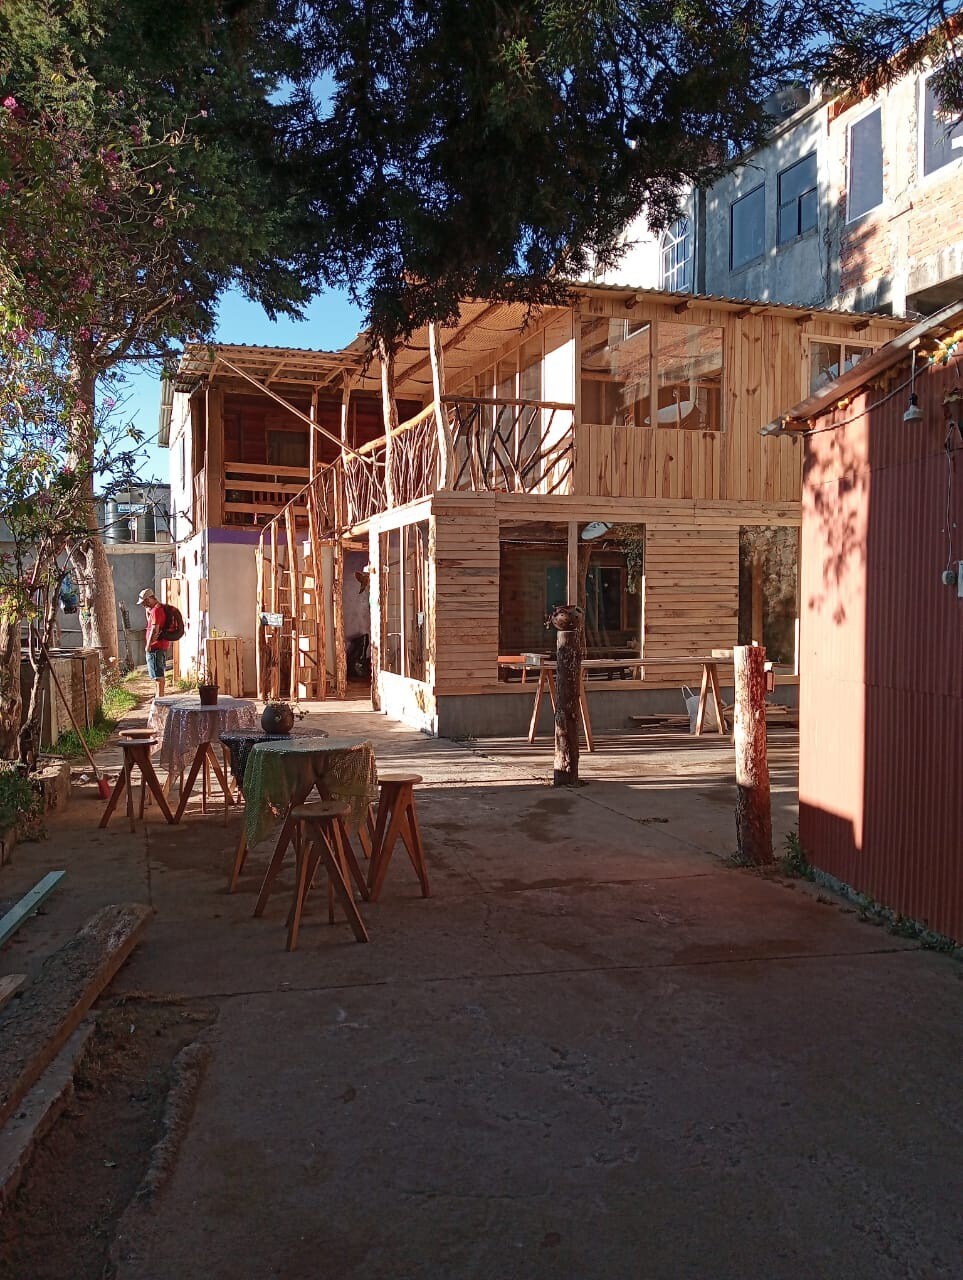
(279, 772)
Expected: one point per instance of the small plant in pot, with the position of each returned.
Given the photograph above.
(206, 689)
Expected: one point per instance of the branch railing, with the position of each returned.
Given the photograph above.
(511, 446)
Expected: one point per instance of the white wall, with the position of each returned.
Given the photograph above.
(232, 599)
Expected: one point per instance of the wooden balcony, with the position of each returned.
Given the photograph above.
(254, 493)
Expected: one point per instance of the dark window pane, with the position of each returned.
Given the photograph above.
(747, 228)
(942, 134)
(865, 164)
(798, 204)
(808, 211)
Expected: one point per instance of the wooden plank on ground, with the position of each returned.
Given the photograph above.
(10, 984)
(28, 904)
(35, 1029)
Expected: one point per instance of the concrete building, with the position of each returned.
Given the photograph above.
(854, 202)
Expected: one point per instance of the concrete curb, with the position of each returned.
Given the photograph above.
(41, 1108)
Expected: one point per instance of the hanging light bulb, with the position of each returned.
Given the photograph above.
(913, 413)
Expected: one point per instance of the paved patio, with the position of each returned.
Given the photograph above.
(597, 1051)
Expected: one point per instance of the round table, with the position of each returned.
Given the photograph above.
(240, 741)
(187, 729)
(281, 775)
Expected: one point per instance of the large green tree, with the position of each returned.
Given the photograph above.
(497, 147)
(145, 168)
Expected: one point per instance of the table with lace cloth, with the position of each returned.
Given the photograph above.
(284, 773)
(183, 725)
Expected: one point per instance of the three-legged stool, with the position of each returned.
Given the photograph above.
(137, 755)
(396, 817)
(320, 836)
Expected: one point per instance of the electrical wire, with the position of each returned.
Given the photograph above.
(836, 426)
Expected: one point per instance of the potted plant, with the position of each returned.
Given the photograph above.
(206, 688)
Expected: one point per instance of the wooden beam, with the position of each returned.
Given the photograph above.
(303, 417)
(571, 564)
(337, 604)
(680, 307)
(460, 336)
(52, 1007)
(804, 319)
(28, 904)
(312, 449)
(389, 408)
(446, 448)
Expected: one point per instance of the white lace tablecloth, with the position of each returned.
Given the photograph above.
(182, 724)
(279, 773)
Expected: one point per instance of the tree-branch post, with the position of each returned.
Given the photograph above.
(567, 620)
(446, 452)
(386, 355)
(753, 799)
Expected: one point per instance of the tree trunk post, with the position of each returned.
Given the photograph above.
(390, 414)
(753, 800)
(10, 701)
(567, 620)
(446, 451)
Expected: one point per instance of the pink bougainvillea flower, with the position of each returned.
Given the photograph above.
(10, 103)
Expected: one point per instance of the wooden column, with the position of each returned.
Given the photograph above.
(446, 449)
(390, 412)
(572, 576)
(753, 800)
(337, 608)
(313, 435)
(294, 592)
(756, 598)
(317, 570)
(258, 625)
(214, 458)
(376, 603)
(567, 619)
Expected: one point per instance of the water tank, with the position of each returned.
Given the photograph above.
(786, 101)
(144, 527)
(116, 526)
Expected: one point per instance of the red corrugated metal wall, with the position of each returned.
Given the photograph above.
(881, 693)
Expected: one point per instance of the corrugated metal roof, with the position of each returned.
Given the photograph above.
(307, 365)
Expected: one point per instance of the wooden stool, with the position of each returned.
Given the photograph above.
(137, 754)
(396, 817)
(321, 836)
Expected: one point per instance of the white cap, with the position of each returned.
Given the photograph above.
(142, 598)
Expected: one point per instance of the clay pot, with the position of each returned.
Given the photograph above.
(277, 717)
(207, 694)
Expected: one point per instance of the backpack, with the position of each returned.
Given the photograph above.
(173, 623)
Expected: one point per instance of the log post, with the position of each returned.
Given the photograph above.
(446, 449)
(390, 414)
(567, 619)
(753, 800)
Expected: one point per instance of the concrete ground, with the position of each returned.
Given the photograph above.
(596, 1051)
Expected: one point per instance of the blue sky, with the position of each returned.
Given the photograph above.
(330, 322)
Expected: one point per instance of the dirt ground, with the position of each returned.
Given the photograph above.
(63, 1217)
(597, 1051)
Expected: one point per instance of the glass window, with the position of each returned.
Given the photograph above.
(942, 130)
(828, 359)
(747, 228)
(677, 256)
(865, 165)
(688, 376)
(611, 583)
(530, 369)
(798, 199)
(404, 578)
(615, 371)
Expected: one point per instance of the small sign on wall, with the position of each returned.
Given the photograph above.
(272, 619)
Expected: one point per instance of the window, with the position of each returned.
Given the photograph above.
(404, 575)
(677, 256)
(747, 228)
(828, 359)
(615, 371)
(798, 199)
(688, 376)
(865, 165)
(942, 130)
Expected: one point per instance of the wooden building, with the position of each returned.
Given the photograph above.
(608, 451)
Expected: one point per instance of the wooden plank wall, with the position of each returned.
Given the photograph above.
(765, 358)
(691, 596)
(465, 590)
(692, 576)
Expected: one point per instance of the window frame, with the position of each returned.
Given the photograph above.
(669, 243)
(842, 343)
(760, 186)
(796, 200)
(853, 124)
(941, 171)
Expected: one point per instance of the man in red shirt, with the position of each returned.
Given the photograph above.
(157, 646)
